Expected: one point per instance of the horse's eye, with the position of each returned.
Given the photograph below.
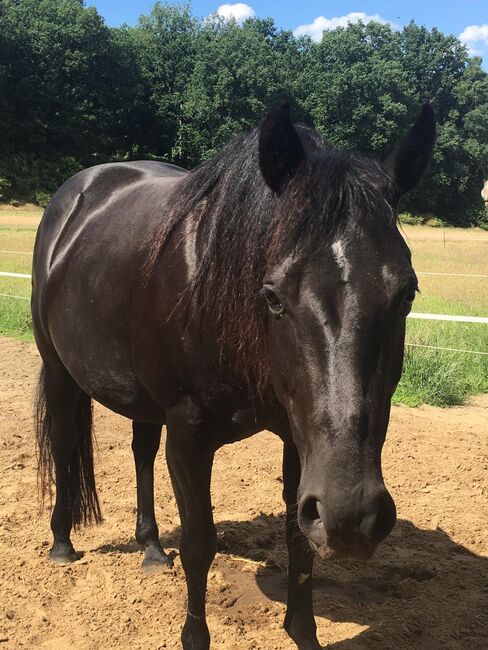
(274, 304)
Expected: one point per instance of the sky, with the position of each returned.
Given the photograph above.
(467, 19)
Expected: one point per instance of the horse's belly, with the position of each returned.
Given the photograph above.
(87, 254)
(92, 338)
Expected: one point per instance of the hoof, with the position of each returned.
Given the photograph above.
(63, 554)
(156, 560)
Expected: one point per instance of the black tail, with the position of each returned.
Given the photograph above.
(82, 492)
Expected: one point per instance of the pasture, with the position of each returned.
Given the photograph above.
(435, 377)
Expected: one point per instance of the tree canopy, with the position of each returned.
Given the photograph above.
(75, 92)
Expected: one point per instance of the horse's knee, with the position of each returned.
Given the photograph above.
(198, 549)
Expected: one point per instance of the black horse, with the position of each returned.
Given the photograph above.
(266, 289)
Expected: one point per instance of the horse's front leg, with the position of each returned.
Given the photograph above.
(145, 445)
(299, 619)
(190, 460)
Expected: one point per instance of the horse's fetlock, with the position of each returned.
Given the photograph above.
(195, 634)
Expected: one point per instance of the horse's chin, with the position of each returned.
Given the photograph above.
(326, 552)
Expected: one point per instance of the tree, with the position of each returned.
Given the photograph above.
(167, 38)
(74, 92)
(56, 85)
(440, 71)
(355, 88)
(237, 76)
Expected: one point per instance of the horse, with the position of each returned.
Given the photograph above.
(484, 193)
(268, 288)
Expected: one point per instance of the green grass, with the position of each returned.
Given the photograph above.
(15, 317)
(432, 377)
(443, 378)
(437, 377)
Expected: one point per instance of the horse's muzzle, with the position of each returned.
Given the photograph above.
(336, 531)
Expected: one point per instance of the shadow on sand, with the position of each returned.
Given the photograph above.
(422, 590)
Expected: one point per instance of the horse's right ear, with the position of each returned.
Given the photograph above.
(280, 148)
(410, 159)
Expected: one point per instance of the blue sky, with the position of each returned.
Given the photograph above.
(465, 18)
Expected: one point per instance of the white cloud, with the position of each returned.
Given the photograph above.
(475, 37)
(321, 24)
(238, 11)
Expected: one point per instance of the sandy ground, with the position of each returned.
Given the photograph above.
(427, 587)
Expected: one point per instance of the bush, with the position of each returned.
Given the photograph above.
(31, 179)
(434, 222)
(482, 219)
(42, 198)
(410, 219)
(5, 187)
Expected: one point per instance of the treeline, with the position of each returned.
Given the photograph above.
(75, 92)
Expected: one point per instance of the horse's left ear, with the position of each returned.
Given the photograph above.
(410, 159)
(280, 148)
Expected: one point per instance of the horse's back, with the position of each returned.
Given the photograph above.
(89, 247)
(90, 191)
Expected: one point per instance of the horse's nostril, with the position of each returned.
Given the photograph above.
(310, 510)
(310, 521)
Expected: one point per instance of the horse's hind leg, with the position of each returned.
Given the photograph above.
(64, 440)
(145, 445)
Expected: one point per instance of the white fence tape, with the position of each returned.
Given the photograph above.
(9, 295)
(451, 275)
(435, 347)
(441, 317)
(16, 252)
(15, 275)
(448, 317)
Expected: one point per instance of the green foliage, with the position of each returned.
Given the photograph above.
(74, 92)
(410, 219)
(42, 198)
(434, 222)
(5, 187)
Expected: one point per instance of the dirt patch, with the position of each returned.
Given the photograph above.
(427, 587)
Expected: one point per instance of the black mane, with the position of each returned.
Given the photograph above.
(242, 226)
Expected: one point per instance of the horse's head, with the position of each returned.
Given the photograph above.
(339, 286)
